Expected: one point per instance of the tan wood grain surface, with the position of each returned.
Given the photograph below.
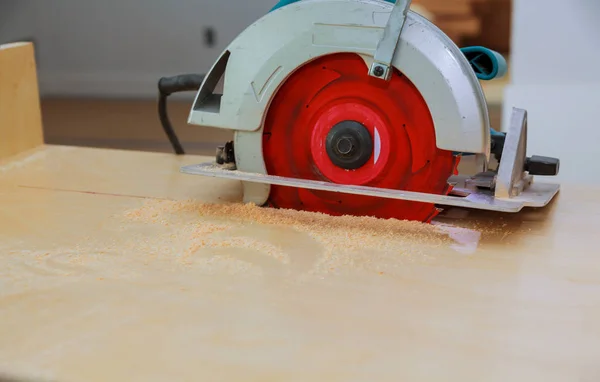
(20, 115)
(113, 267)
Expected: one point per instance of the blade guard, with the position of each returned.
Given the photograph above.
(259, 60)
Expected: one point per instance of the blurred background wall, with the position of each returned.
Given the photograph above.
(119, 48)
(99, 61)
(555, 53)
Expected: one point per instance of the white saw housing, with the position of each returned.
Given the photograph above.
(260, 59)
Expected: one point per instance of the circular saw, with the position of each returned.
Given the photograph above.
(363, 107)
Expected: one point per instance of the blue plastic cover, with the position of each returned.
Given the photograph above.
(283, 3)
(486, 63)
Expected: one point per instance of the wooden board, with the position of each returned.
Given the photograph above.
(114, 267)
(20, 116)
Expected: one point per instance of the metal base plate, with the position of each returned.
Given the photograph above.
(537, 195)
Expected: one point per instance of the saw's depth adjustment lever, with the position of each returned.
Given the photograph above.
(386, 48)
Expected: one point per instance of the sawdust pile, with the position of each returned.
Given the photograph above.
(161, 239)
(320, 243)
(160, 211)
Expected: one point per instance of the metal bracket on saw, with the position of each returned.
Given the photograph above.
(509, 190)
(513, 182)
(512, 178)
(386, 49)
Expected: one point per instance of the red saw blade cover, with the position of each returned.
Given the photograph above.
(337, 88)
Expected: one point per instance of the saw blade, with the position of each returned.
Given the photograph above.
(330, 121)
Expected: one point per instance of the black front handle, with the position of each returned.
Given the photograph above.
(180, 83)
(543, 166)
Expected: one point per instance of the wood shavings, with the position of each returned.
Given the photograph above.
(343, 243)
(243, 240)
(157, 210)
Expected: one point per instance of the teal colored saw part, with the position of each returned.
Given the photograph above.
(283, 3)
(486, 63)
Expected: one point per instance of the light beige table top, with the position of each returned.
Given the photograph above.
(113, 269)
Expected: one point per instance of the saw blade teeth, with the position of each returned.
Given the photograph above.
(434, 213)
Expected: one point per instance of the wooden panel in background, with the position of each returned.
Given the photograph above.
(125, 124)
(496, 23)
(20, 115)
(472, 22)
(446, 7)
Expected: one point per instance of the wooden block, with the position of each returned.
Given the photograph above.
(423, 11)
(466, 26)
(20, 115)
(125, 124)
(446, 7)
(495, 16)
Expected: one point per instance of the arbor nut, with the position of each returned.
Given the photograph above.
(542, 166)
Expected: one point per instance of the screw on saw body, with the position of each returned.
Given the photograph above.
(378, 71)
(382, 66)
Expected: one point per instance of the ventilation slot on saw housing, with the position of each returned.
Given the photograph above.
(207, 100)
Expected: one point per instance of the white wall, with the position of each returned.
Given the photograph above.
(555, 41)
(122, 47)
(554, 71)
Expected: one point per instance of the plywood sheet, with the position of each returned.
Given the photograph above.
(20, 116)
(113, 266)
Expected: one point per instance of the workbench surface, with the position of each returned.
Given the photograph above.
(116, 267)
